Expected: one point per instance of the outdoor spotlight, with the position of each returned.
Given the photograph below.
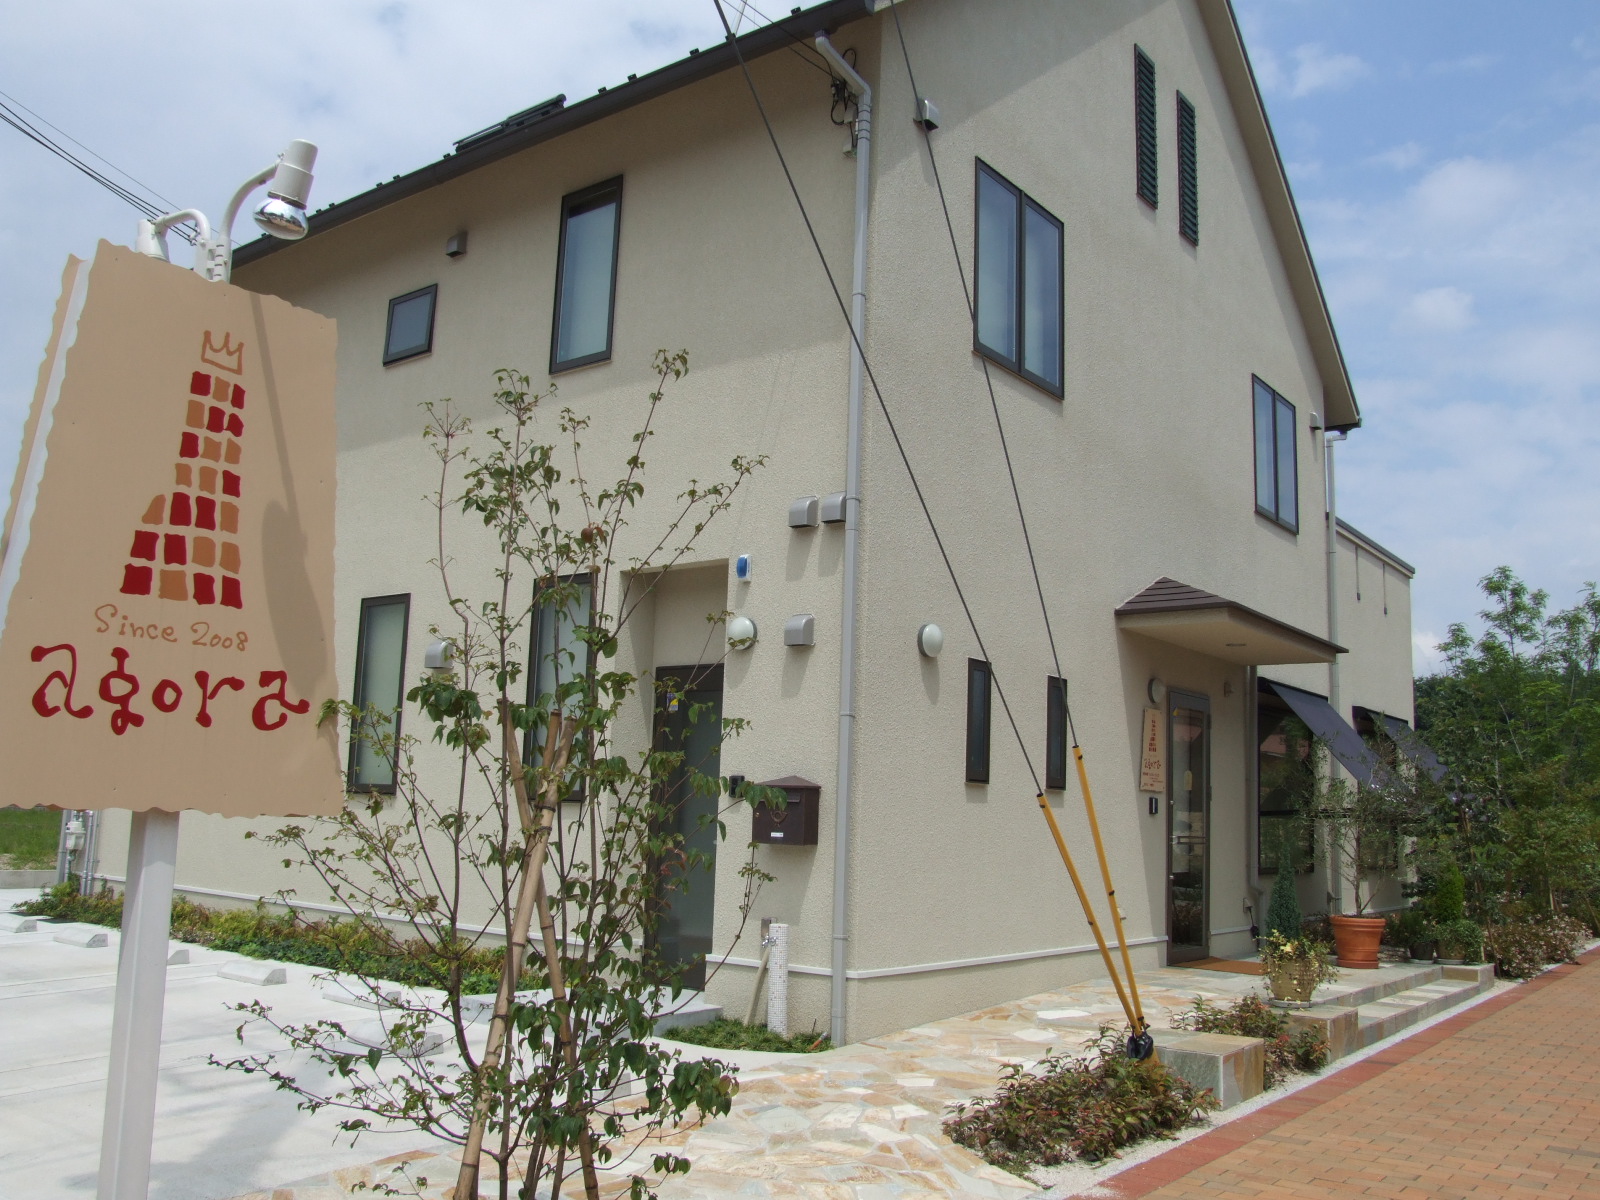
(283, 212)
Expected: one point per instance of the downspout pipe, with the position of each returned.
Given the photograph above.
(852, 542)
(1335, 699)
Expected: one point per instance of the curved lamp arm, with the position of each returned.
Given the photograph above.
(151, 238)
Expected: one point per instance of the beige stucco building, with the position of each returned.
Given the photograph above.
(1136, 343)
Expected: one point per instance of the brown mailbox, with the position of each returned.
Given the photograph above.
(796, 825)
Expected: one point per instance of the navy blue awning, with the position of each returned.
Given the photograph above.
(1414, 748)
(1329, 727)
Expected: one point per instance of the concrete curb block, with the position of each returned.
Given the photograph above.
(17, 923)
(263, 974)
(84, 936)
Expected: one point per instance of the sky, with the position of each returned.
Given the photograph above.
(1445, 155)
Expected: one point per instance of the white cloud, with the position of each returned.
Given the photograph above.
(1401, 158)
(1438, 310)
(1466, 192)
(1465, 64)
(1316, 70)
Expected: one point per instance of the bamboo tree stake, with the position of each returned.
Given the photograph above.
(1140, 1024)
(536, 833)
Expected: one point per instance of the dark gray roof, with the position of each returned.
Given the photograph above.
(552, 118)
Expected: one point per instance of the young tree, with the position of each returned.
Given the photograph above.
(544, 819)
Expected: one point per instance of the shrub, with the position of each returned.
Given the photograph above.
(1521, 949)
(1408, 927)
(726, 1033)
(1283, 910)
(1462, 939)
(1302, 1050)
(1449, 902)
(1084, 1106)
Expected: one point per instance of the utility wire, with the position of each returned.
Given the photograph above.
(11, 114)
(988, 379)
(811, 58)
(877, 392)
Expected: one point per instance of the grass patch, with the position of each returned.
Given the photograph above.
(28, 838)
(289, 937)
(727, 1033)
(1085, 1106)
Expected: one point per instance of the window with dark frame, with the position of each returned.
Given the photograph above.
(559, 655)
(1277, 466)
(1188, 174)
(380, 685)
(1019, 295)
(409, 332)
(1146, 178)
(1285, 776)
(1055, 732)
(586, 276)
(979, 680)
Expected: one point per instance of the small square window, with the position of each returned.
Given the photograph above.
(979, 678)
(410, 331)
(380, 685)
(586, 276)
(1277, 466)
(1019, 299)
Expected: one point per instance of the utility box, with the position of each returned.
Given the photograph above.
(796, 825)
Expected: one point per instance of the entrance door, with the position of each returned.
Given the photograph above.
(689, 719)
(1188, 808)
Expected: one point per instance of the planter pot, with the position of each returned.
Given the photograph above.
(1422, 952)
(1294, 982)
(1451, 962)
(1356, 939)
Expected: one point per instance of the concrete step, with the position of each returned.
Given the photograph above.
(1387, 1017)
(1232, 1067)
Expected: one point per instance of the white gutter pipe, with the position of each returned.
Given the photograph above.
(852, 539)
(1336, 882)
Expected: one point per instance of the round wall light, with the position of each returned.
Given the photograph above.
(930, 640)
(743, 630)
(1157, 691)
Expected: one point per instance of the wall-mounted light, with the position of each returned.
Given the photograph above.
(742, 630)
(930, 640)
(1156, 690)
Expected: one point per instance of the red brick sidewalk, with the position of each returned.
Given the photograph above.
(1502, 1100)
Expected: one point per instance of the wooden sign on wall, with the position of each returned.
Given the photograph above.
(1152, 755)
(166, 568)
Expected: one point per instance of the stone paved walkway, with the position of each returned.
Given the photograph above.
(1501, 1101)
(863, 1122)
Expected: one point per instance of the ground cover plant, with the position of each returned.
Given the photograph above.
(1077, 1106)
(28, 838)
(1521, 949)
(729, 1033)
(1288, 1052)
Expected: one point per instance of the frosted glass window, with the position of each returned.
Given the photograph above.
(410, 331)
(586, 276)
(1277, 468)
(380, 684)
(1017, 299)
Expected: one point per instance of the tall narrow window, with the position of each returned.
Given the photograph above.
(1019, 301)
(380, 684)
(410, 328)
(586, 276)
(1144, 127)
(560, 656)
(1188, 174)
(1055, 732)
(978, 684)
(1277, 468)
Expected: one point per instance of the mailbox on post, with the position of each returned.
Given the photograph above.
(796, 825)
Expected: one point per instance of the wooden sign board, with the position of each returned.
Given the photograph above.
(166, 568)
(1153, 755)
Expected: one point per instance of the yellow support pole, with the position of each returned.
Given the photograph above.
(1137, 1015)
(1134, 1018)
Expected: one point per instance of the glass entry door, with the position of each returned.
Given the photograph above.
(1188, 809)
(689, 720)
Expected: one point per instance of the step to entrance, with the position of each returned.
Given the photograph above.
(1353, 1016)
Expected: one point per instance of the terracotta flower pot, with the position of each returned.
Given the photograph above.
(1356, 939)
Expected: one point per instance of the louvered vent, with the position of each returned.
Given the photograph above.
(1144, 111)
(1188, 174)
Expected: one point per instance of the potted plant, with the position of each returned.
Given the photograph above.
(1365, 827)
(1295, 966)
(1460, 941)
(1413, 930)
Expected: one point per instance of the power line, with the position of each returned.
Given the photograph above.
(13, 117)
(877, 392)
